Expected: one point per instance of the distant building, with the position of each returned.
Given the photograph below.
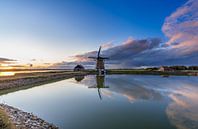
(165, 68)
(79, 68)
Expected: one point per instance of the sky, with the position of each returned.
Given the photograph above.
(63, 33)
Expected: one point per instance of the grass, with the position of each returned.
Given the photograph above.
(146, 72)
(5, 123)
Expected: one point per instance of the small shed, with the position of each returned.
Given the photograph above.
(165, 68)
(79, 68)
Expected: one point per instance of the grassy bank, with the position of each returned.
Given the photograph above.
(5, 123)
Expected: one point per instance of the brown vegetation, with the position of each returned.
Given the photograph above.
(5, 123)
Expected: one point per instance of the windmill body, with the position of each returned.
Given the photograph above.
(100, 64)
(100, 67)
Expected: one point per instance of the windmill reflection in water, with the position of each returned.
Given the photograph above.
(100, 83)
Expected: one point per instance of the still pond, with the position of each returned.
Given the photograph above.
(113, 102)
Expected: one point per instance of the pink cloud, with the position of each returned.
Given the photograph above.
(107, 45)
(181, 27)
(128, 41)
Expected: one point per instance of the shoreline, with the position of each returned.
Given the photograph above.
(24, 120)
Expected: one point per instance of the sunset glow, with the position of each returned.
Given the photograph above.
(130, 36)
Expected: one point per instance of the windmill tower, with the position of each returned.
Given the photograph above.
(100, 63)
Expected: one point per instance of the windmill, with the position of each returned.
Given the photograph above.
(100, 63)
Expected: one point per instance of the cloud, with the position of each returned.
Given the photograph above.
(122, 53)
(181, 28)
(17, 66)
(107, 45)
(136, 53)
(126, 54)
(6, 60)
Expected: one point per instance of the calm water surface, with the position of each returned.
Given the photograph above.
(113, 102)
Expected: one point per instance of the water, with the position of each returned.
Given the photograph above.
(113, 102)
(2, 74)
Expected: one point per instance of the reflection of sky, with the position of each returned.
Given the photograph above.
(142, 84)
(130, 99)
(183, 110)
(7, 74)
(182, 91)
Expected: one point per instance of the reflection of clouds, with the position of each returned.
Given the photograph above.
(131, 88)
(129, 97)
(107, 93)
(136, 93)
(179, 101)
(183, 110)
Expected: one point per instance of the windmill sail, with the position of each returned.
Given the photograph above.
(98, 55)
(99, 52)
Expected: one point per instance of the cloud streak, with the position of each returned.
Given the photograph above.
(6, 60)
